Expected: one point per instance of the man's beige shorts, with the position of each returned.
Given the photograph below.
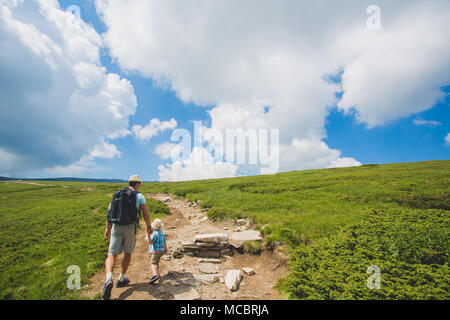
(123, 238)
(156, 256)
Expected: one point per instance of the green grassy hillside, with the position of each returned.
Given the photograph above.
(334, 224)
(338, 222)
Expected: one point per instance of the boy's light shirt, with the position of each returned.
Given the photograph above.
(159, 241)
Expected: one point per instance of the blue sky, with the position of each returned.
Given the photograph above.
(366, 115)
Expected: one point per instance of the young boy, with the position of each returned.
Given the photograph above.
(157, 249)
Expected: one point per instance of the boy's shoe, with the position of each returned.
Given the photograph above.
(153, 279)
(106, 294)
(122, 283)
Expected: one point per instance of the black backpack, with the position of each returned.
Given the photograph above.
(123, 209)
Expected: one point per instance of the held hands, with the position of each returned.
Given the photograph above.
(149, 232)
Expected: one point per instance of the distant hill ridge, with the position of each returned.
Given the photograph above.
(70, 179)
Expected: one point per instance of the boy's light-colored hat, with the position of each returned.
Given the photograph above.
(157, 224)
(135, 178)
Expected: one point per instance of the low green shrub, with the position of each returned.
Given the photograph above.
(410, 247)
(206, 204)
(217, 214)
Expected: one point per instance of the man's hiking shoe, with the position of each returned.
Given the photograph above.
(123, 283)
(107, 289)
(153, 279)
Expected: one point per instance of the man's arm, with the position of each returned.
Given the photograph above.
(147, 219)
(146, 215)
(108, 230)
(108, 226)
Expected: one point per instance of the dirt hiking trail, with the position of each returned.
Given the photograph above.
(184, 278)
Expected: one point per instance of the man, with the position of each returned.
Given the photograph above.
(123, 236)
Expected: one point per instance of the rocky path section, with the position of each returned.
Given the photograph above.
(197, 267)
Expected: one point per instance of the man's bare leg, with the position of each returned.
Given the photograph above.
(125, 263)
(109, 263)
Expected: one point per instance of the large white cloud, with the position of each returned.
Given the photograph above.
(401, 69)
(199, 165)
(58, 103)
(264, 64)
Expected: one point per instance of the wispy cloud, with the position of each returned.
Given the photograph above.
(431, 123)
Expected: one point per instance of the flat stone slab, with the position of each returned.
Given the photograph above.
(211, 278)
(237, 239)
(212, 237)
(209, 268)
(206, 244)
(208, 254)
(209, 260)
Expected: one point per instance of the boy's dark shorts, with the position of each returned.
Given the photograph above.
(156, 256)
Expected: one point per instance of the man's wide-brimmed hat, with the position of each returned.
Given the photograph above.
(135, 178)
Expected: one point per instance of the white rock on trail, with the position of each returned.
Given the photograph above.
(233, 279)
(237, 239)
(212, 237)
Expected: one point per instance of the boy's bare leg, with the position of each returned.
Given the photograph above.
(155, 269)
